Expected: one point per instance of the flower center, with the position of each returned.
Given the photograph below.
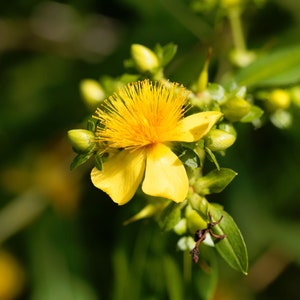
(141, 114)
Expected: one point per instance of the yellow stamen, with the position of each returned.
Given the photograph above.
(141, 114)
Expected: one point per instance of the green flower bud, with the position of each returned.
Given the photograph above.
(144, 58)
(92, 93)
(186, 243)
(219, 140)
(281, 119)
(203, 77)
(295, 95)
(278, 99)
(235, 108)
(81, 139)
(242, 58)
(180, 227)
(194, 220)
(199, 203)
(228, 127)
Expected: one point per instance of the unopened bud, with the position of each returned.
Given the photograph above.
(235, 108)
(219, 140)
(242, 58)
(295, 95)
(228, 127)
(92, 93)
(278, 99)
(180, 227)
(281, 119)
(144, 58)
(186, 243)
(203, 77)
(81, 139)
(194, 220)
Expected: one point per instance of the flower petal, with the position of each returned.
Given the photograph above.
(194, 127)
(165, 175)
(121, 175)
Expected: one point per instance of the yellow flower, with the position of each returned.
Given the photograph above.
(138, 124)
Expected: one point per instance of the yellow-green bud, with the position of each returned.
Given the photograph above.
(203, 77)
(81, 139)
(92, 93)
(180, 227)
(194, 220)
(278, 99)
(228, 127)
(144, 58)
(199, 203)
(235, 108)
(219, 140)
(242, 58)
(186, 243)
(281, 118)
(295, 95)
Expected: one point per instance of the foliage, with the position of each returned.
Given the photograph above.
(60, 240)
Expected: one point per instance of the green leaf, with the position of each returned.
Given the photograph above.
(254, 113)
(127, 78)
(214, 182)
(189, 158)
(170, 216)
(92, 124)
(98, 161)
(232, 248)
(165, 53)
(212, 157)
(277, 68)
(80, 159)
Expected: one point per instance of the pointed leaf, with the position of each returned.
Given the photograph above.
(189, 158)
(232, 248)
(215, 181)
(254, 113)
(80, 159)
(170, 216)
(166, 53)
(280, 67)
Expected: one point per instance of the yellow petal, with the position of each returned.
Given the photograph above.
(194, 127)
(120, 175)
(165, 175)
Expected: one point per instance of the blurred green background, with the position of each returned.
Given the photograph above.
(63, 239)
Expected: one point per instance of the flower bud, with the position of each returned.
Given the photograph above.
(92, 93)
(180, 227)
(228, 127)
(81, 139)
(144, 58)
(194, 220)
(281, 119)
(219, 140)
(203, 77)
(242, 58)
(295, 95)
(278, 99)
(235, 108)
(186, 243)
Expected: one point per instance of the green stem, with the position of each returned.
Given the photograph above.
(234, 15)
